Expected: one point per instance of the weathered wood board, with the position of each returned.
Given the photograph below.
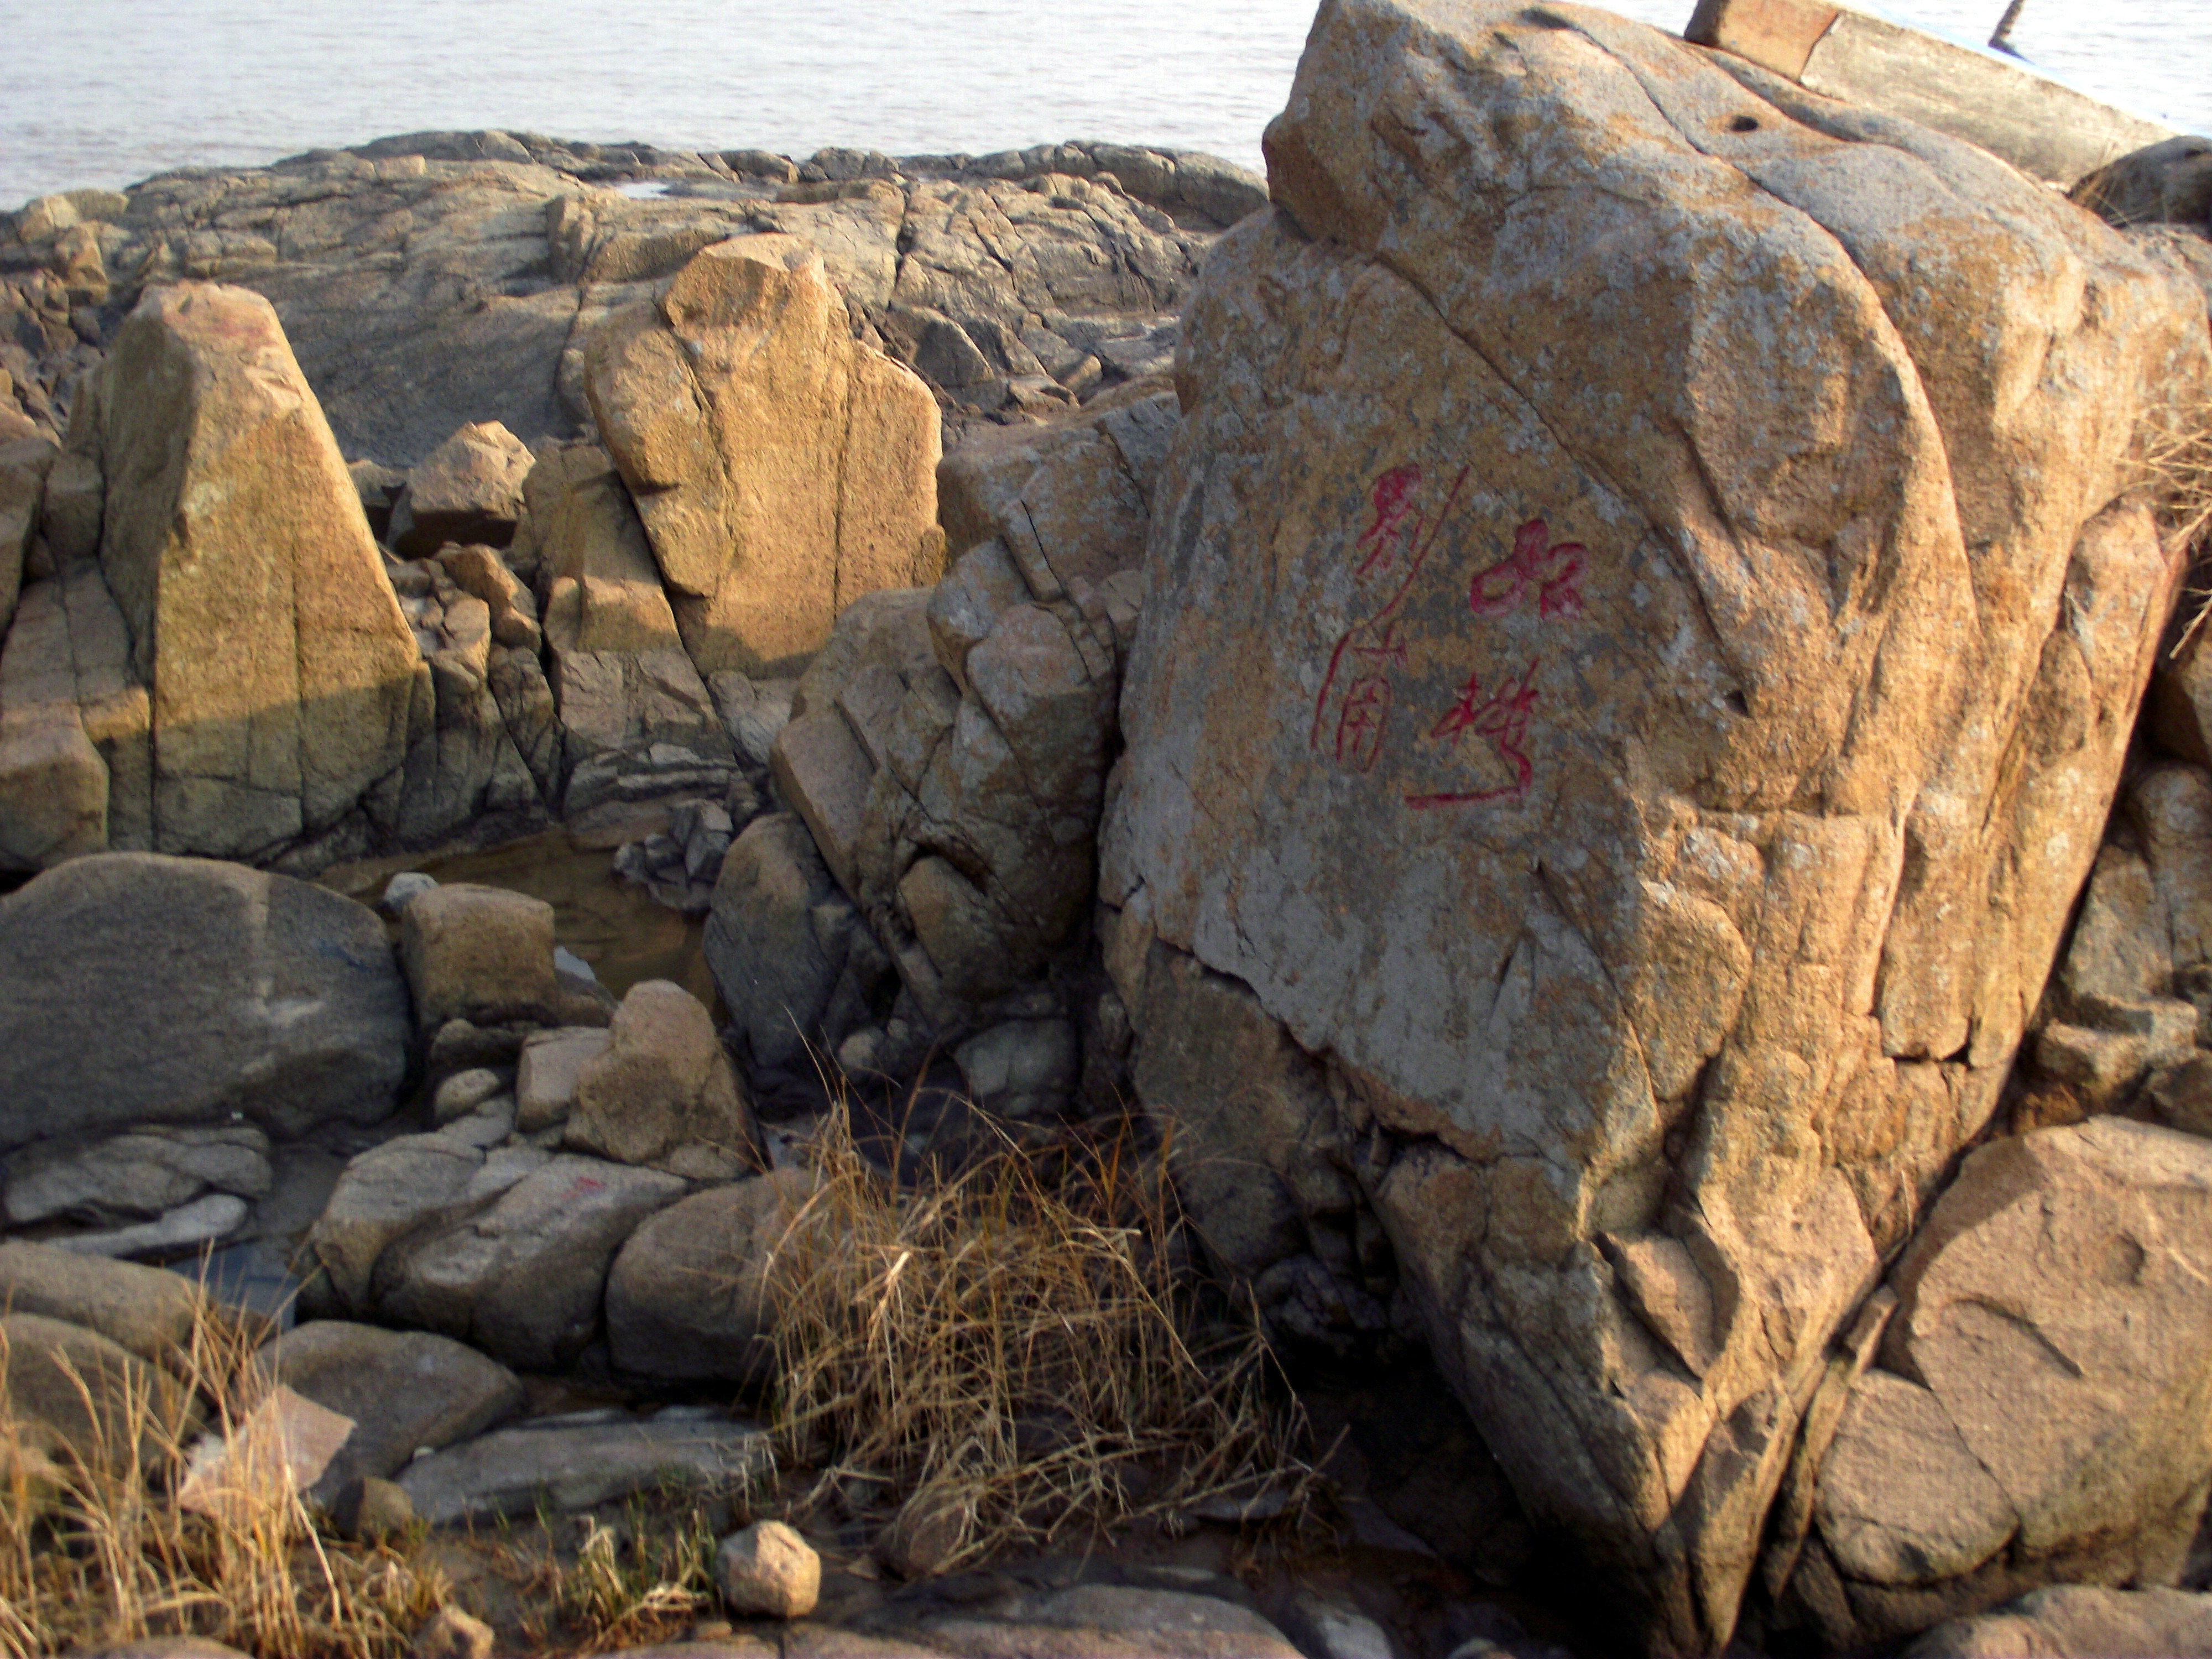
(2046, 129)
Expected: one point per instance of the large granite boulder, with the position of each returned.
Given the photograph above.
(280, 670)
(781, 467)
(136, 988)
(148, 1310)
(689, 1299)
(482, 954)
(2039, 1411)
(1644, 619)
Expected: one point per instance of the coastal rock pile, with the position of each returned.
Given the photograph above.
(1575, 781)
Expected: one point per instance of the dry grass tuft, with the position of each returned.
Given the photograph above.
(1008, 1353)
(642, 1581)
(94, 1548)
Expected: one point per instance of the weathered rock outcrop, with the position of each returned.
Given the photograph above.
(2039, 1410)
(1644, 619)
(365, 254)
(946, 760)
(248, 992)
(280, 668)
(975, 856)
(781, 467)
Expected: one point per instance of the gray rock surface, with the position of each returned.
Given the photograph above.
(572, 1464)
(522, 1278)
(146, 1310)
(361, 251)
(251, 994)
(688, 1296)
(172, 1236)
(482, 954)
(662, 1090)
(785, 944)
(546, 1073)
(1107, 1621)
(404, 1391)
(133, 1176)
(384, 1194)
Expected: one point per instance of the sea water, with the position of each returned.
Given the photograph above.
(108, 92)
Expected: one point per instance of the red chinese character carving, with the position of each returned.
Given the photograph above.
(1503, 718)
(1556, 569)
(1394, 507)
(1359, 728)
(1398, 524)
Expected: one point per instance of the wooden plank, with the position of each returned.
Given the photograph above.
(1776, 34)
(2048, 130)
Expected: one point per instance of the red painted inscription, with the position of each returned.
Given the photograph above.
(1554, 569)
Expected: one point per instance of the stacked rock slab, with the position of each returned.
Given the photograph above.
(1643, 620)
(782, 468)
(280, 667)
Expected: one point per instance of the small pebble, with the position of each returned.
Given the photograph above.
(768, 1571)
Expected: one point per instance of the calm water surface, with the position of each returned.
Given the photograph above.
(106, 92)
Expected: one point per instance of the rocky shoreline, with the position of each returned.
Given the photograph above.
(1559, 762)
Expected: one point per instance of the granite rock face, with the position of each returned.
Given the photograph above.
(2038, 1411)
(782, 468)
(250, 994)
(522, 1278)
(1631, 681)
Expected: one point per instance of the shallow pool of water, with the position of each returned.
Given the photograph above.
(607, 921)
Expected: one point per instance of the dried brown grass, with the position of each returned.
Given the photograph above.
(1009, 1351)
(94, 1548)
(643, 1580)
(2174, 469)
